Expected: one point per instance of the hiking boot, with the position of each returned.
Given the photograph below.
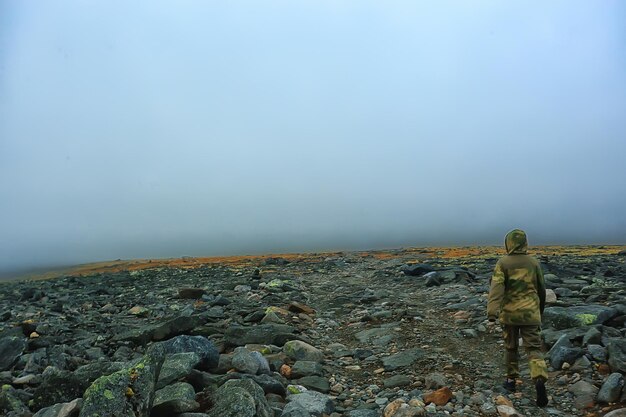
(542, 397)
(509, 385)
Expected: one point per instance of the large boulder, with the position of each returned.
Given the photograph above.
(563, 351)
(617, 354)
(206, 350)
(585, 315)
(58, 386)
(174, 399)
(126, 393)
(301, 351)
(313, 402)
(177, 366)
(11, 348)
(240, 398)
(160, 331)
(611, 388)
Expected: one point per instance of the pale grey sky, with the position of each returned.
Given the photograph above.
(162, 128)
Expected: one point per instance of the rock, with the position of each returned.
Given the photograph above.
(397, 381)
(402, 359)
(126, 393)
(59, 386)
(206, 349)
(297, 307)
(432, 279)
(301, 351)
(550, 296)
(585, 315)
(265, 334)
(174, 399)
(435, 380)
(160, 331)
(439, 397)
(244, 362)
(313, 402)
(416, 270)
(617, 413)
(264, 365)
(593, 336)
(70, 409)
(584, 393)
(597, 352)
(177, 366)
(10, 402)
(392, 408)
(240, 398)
(617, 354)
(507, 411)
(563, 351)
(363, 413)
(11, 348)
(316, 383)
(306, 368)
(191, 293)
(611, 388)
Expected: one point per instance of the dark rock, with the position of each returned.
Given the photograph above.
(206, 349)
(301, 351)
(306, 368)
(402, 359)
(397, 381)
(313, 402)
(240, 398)
(174, 399)
(416, 270)
(58, 386)
(177, 366)
(244, 362)
(191, 293)
(11, 347)
(11, 403)
(316, 383)
(562, 352)
(597, 352)
(584, 393)
(617, 354)
(261, 334)
(611, 388)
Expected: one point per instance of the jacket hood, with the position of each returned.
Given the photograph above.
(516, 242)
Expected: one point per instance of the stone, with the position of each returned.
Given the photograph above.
(550, 296)
(174, 399)
(616, 349)
(264, 365)
(584, 393)
(302, 351)
(240, 398)
(611, 388)
(584, 315)
(593, 336)
(126, 393)
(435, 380)
(392, 408)
(10, 402)
(266, 334)
(313, 402)
(306, 368)
(597, 352)
(297, 307)
(617, 413)
(59, 386)
(70, 409)
(244, 362)
(507, 411)
(364, 412)
(205, 348)
(191, 293)
(402, 359)
(397, 381)
(177, 366)
(416, 270)
(563, 351)
(11, 348)
(439, 397)
(316, 383)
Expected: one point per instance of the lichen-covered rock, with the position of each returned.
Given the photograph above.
(174, 399)
(9, 402)
(244, 362)
(301, 351)
(126, 393)
(240, 398)
(585, 315)
(177, 366)
(70, 409)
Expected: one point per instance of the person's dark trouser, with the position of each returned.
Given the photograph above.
(531, 339)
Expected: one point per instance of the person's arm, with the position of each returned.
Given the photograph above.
(541, 289)
(496, 293)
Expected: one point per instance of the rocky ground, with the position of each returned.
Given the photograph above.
(389, 333)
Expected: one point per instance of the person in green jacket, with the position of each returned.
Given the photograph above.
(517, 297)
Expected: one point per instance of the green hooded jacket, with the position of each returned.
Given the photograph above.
(518, 292)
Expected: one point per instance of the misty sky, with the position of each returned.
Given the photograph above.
(161, 129)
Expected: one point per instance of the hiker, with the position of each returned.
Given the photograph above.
(517, 297)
